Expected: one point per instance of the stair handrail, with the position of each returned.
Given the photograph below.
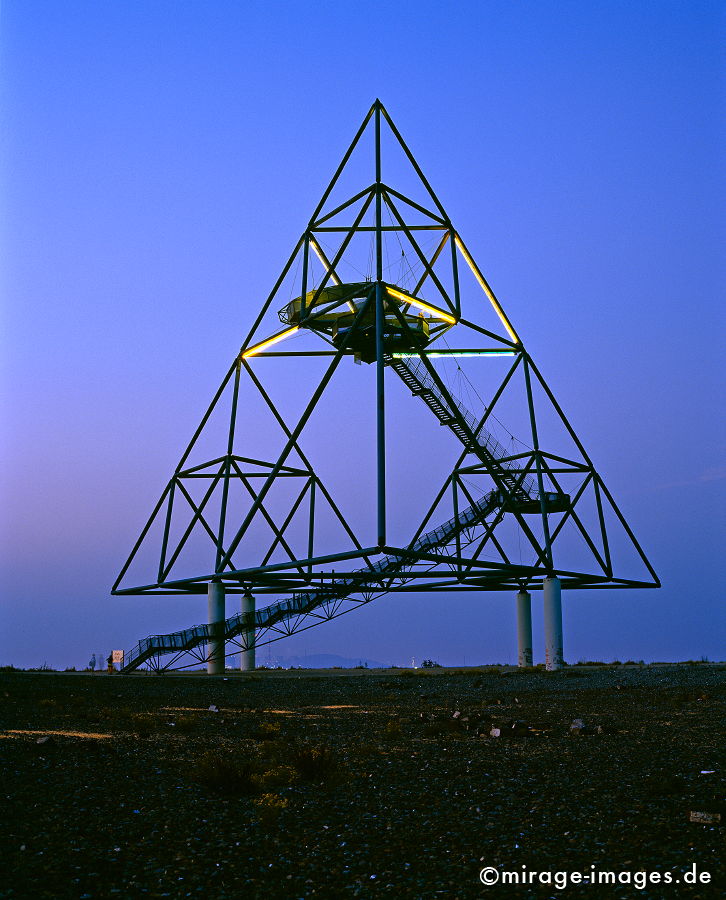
(485, 439)
(298, 602)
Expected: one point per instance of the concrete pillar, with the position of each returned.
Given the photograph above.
(247, 657)
(553, 623)
(215, 618)
(524, 629)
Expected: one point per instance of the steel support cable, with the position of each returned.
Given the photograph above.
(491, 415)
(403, 252)
(331, 250)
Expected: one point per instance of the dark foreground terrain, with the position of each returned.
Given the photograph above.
(359, 783)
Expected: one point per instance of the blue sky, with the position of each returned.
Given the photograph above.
(159, 161)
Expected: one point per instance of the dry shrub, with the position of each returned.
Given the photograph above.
(276, 777)
(269, 749)
(392, 731)
(267, 731)
(269, 807)
(140, 724)
(316, 764)
(224, 774)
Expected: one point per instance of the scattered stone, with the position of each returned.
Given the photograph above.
(706, 818)
(495, 793)
(520, 728)
(578, 727)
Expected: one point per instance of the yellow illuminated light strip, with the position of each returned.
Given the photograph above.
(321, 256)
(487, 290)
(275, 339)
(414, 301)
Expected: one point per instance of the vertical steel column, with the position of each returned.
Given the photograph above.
(306, 255)
(524, 629)
(247, 657)
(215, 618)
(538, 461)
(227, 469)
(380, 325)
(553, 623)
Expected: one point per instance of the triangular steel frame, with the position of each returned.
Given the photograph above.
(521, 481)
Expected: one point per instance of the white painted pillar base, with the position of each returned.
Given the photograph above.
(524, 629)
(553, 623)
(247, 657)
(215, 619)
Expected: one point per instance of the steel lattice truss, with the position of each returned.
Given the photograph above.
(250, 502)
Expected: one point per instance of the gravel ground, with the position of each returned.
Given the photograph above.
(359, 783)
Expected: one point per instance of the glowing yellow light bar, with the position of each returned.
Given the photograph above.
(414, 301)
(323, 259)
(487, 290)
(321, 256)
(275, 339)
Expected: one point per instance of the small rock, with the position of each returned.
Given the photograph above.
(706, 818)
(45, 739)
(495, 732)
(213, 708)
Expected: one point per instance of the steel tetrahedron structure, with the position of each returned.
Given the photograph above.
(312, 486)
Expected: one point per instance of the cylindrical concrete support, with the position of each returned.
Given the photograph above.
(553, 623)
(247, 657)
(524, 629)
(215, 619)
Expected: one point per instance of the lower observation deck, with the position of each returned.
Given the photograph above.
(409, 325)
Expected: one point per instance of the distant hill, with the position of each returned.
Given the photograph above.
(322, 661)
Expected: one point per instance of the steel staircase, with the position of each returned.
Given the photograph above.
(450, 412)
(513, 491)
(367, 578)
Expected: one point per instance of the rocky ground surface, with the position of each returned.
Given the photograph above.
(360, 784)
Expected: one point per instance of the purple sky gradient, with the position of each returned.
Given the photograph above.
(161, 159)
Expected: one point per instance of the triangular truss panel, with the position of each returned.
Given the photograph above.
(382, 429)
